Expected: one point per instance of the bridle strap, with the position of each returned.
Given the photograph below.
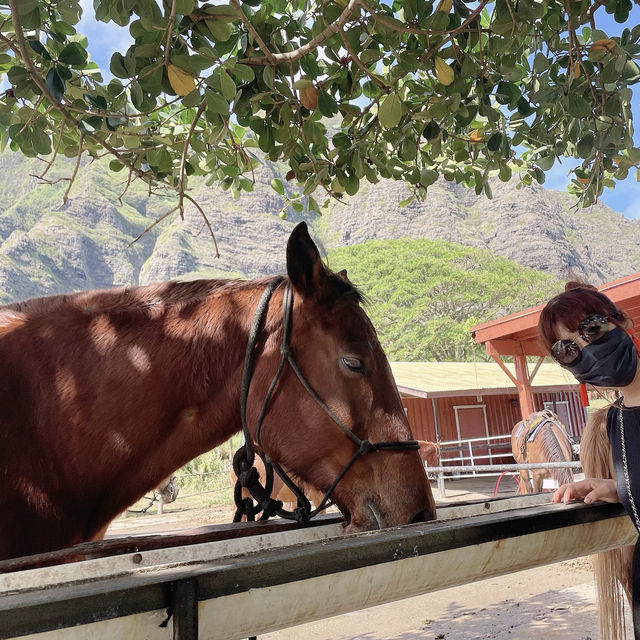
(303, 513)
(249, 360)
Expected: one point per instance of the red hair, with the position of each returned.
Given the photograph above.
(570, 308)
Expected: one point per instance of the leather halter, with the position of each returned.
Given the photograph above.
(243, 460)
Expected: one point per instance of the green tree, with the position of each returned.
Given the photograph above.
(425, 295)
(340, 90)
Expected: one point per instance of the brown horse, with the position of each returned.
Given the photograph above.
(612, 568)
(429, 452)
(541, 438)
(104, 393)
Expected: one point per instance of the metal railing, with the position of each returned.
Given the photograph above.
(475, 451)
(476, 457)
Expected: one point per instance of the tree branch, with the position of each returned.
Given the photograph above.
(72, 179)
(167, 46)
(204, 216)
(292, 56)
(23, 53)
(354, 56)
(183, 158)
(256, 36)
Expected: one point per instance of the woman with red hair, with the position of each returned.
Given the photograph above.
(589, 336)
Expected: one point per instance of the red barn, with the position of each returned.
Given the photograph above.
(461, 400)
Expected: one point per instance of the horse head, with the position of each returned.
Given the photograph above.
(342, 395)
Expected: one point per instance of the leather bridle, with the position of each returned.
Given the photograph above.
(243, 460)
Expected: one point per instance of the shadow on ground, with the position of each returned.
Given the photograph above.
(570, 617)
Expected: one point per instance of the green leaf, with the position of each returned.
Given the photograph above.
(41, 141)
(428, 177)
(495, 142)
(277, 186)
(584, 147)
(341, 140)
(327, 104)
(631, 72)
(216, 102)
(136, 95)
(74, 55)
(38, 47)
(184, 7)
(192, 64)
(220, 31)
(227, 85)
(578, 106)
(352, 185)
(117, 67)
(55, 84)
(431, 130)
(243, 72)
(267, 76)
(390, 111)
(91, 124)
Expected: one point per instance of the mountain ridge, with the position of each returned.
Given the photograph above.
(47, 248)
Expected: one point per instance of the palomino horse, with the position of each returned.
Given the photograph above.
(541, 438)
(612, 568)
(104, 393)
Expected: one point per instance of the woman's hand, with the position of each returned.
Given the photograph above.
(589, 489)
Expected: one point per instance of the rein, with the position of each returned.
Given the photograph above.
(244, 458)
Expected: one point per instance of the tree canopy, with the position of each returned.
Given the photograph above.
(424, 295)
(340, 90)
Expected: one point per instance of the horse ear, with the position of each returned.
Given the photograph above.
(304, 265)
(344, 276)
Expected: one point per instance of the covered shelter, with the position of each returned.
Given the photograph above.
(453, 401)
(516, 335)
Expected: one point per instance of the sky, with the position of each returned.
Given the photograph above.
(105, 39)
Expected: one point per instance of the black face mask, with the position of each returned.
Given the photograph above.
(610, 362)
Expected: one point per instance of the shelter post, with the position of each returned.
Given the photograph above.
(525, 395)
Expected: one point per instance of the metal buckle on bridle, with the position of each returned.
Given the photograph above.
(245, 455)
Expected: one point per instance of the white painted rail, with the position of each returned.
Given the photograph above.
(231, 589)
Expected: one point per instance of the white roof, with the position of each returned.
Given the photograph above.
(438, 379)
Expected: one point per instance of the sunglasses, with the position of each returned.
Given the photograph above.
(591, 330)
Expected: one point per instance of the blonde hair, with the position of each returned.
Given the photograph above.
(612, 569)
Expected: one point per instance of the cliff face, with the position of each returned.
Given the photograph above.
(533, 226)
(47, 248)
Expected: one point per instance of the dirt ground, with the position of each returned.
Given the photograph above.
(555, 602)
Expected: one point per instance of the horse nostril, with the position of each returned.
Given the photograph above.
(422, 516)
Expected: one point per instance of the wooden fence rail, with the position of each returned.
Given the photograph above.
(229, 589)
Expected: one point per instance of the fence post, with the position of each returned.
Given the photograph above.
(441, 490)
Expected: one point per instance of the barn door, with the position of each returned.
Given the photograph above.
(471, 422)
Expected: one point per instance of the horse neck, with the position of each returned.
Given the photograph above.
(195, 406)
(220, 345)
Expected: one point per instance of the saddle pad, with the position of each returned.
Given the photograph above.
(535, 428)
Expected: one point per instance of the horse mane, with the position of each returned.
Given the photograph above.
(152, 299)
(123, 300)
(554, 451)
(612, 569)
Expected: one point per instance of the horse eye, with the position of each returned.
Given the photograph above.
(355, 364)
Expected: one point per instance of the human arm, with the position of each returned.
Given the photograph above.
(589, 490)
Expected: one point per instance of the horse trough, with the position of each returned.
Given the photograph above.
(218, 582)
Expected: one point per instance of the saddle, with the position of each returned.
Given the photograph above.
(534, 423)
